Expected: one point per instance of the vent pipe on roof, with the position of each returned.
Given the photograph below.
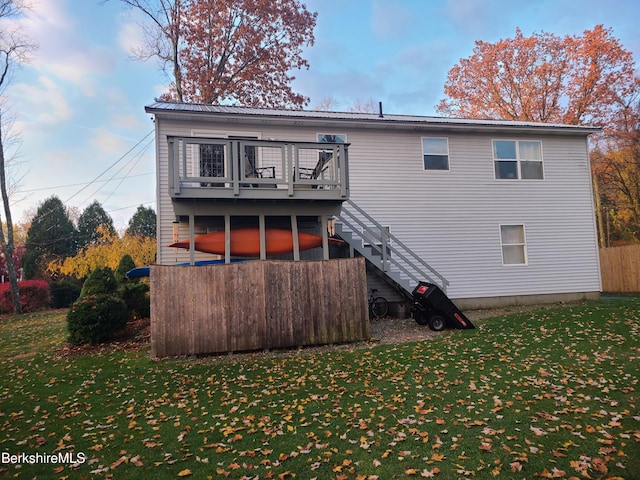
(380, 107)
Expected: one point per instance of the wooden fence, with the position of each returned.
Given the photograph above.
(620, 268)
(257, 305)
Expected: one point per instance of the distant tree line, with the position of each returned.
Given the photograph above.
(53, 238)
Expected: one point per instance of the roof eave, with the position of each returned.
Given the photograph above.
(386, 122)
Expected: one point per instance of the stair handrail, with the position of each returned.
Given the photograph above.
(384, 238)
(398, 265)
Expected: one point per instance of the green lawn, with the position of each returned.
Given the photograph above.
(547, 394)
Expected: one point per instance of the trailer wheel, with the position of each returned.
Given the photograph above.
(437, 323)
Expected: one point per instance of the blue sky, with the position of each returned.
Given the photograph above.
(78, 107)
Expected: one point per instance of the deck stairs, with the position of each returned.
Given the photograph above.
(400, 266)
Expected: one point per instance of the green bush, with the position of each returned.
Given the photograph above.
(126, 263)
(95, 319)
(136, 297)
(64, 292)
(100, 281)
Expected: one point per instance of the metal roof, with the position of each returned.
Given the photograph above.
(362, 119)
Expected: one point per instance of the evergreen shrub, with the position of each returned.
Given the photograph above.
(64, 292)
(136, 297)
(100, 281)
(95, 319)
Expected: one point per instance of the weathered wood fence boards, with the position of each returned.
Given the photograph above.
(620, 268)
(257, 305)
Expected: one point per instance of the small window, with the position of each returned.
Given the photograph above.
(514, 246)
(435, 153)
(515, 160)
(332, 138)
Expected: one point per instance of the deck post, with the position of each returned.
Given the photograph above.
(227, 238)
(296, 240)
(192, 242)
(263, 241)
(325, 237)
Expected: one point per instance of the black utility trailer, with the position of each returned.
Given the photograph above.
(432, 307)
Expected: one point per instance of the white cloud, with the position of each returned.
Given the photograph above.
(128, 122)
(62, 50)
(131, 38)
(107, 142)
(44, 100)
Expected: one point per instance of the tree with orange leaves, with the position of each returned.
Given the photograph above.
(578, 80)
(575, 80)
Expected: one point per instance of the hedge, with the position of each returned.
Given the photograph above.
(34, 295)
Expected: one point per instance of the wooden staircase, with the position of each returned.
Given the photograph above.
(400, 265)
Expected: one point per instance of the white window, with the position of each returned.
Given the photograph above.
(514, 245)
(435, 153)
(518, 159)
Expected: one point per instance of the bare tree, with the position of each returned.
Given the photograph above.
(163, 37)
(13, 49)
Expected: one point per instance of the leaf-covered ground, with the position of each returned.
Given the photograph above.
(546, 394)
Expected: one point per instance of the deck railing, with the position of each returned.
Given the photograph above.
(242, 167)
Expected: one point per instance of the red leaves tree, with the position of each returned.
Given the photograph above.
(237, 51)
(543, 78)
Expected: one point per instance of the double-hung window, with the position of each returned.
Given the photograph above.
(514, 245)
(435, 153)
(518, 159)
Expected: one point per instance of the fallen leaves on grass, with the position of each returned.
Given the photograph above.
(549, 395)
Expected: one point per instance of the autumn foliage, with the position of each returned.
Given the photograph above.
(107, 252)
(543, 78)
(589, 79)
(239, 51)
(34, 295)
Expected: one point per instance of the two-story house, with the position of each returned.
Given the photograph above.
(495, 212)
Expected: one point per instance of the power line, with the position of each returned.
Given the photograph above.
(83, 183)
(110, 167)
(100, 175)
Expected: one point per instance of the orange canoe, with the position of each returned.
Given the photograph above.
(245, 242)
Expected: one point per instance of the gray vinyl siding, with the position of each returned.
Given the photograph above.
(452, 218)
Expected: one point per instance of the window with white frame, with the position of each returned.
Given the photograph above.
(514, 245)
(518, 159)
(435, 153)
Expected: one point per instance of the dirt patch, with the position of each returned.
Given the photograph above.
(395, 330)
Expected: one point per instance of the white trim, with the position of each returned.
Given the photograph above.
(448, 154)
(518, 160)
(523, 245)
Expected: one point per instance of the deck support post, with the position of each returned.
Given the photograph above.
(325, 237)
(263, 241)
(227, 238)
(296, 240)
(192, 243)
